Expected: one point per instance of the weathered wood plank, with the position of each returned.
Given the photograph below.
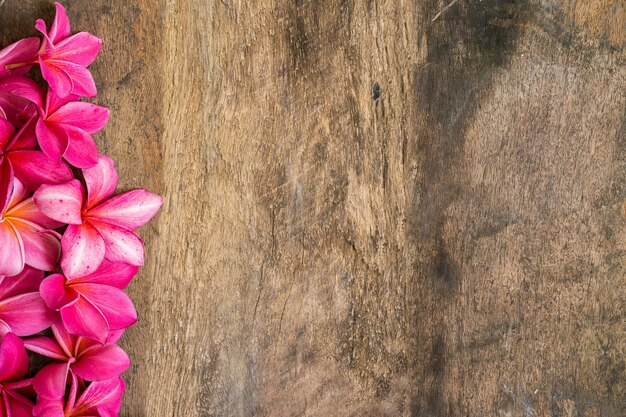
(369, 212)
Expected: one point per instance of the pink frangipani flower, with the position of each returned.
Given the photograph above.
(74, 356)
(99, 399)
(91, 306)
(13, 368)
(65, 127)
(100, 225)
(24, 231)
(22, 310)
(64, 59)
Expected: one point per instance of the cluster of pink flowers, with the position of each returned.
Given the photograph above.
(68, 246)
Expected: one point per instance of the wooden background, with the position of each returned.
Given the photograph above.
(368, 212)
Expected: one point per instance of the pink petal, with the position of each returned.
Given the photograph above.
(86, 116)
(82, 318)
(26, 314)
(53, 139)
(101, 363)
(50, 382)
(115, 336)
(60, 28)
(116, 274)
(61, 202)
(81, 49)
(106, 394)
(24, 50)
(59, 80)
(41, 250)
(28, 210)
(6, 185)
(49, 408)
(101, 180)
(13, 359)
(130, 210)
(19, 405)
(20, 193)
(54, 102)
(115, 305)
(55, 293)
(23, 87)
(65, 75)
(11, 250)
(34, 168)
(6, 132)
(45, 346)
(83, 250)
(66, 341)
(28, 280)
(121, 245)
(82, 151)
(26, 137)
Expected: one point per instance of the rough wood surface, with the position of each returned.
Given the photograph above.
(369, 212)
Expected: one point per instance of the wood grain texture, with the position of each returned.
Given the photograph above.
(368, 212)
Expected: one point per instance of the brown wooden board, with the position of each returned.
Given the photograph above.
(371, 208)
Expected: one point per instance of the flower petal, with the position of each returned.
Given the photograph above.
(86, 116)
(101, 180)
(68, 75)
(49, 408)
(50, 382)
(24, 50)
(60, 28)
(82, 151)
(6, 184)
(81, 48)
(83, 250)
(6, 132)
(106, 394)
(13, 359)
(82, 318)
(11, 250)
(101, 363)
(34, 168)
(116, 274)
(121, 245)
(53, 139)
(28, 210)
(45, 346)
(55, 293)
(41, 250)
(61, 202)
(26, 281)
(130, 210)
(19, 405)
(115, 305)
(26, 314)
(23, 87)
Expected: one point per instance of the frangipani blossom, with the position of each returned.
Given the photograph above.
(22, 310)
(19, 57)
(74, 356)
(100, 225)
(13, 370)
(64, 59)
(65, 127)
(93, 305)
(25, 237)
(100, 399)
